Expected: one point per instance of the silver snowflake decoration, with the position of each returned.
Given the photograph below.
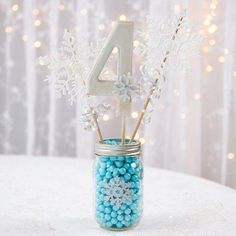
(87, 118)
(117, 191)
(126, 88)
(159, 41)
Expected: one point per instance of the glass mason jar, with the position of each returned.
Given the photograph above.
(118, 174)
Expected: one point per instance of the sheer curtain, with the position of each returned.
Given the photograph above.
(193, 129)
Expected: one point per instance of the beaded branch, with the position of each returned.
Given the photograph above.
(164, 47)
(154, 87)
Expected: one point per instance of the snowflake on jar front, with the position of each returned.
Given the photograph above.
(117, 191)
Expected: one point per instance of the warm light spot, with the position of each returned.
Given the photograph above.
(197, 96)
(234, 73)
(142, 140)
(101, 26)
(177, 8)
(136, 43)
(8, 29)
(37, 44)
(207, 22)
(146, 36)
(183, 115)
(212, 42)
(106, 117)
(136, 136)
(230, 155)
(83, 12)
(176, 92)
(226, 51)
(61, 7)
(25, 37)
(213, 6)
(205, 49)
(115, 50)
(221, 59)
(37, 23)
(209, 68)
(122, 17)
(35, 12)
(213, 13)
(212, 29)
(113, 23)
(209, 17)
(202, 32)
(134, 114)
(15, 7)
(77, 28)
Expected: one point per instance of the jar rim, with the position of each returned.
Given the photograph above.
(128, 149)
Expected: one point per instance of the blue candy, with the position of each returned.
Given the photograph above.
(108, 175)
(107, 217)
(102, 171)
(127, 217)
(108, 224)
(127, 176)
(114, 221)
(122, 171)
(120, 217)
(108, 210)
(101, 208)
(113, 214)
(118, 164)
(115, 173)
(134, 178)
(127, 211)
(119, 212)
(119, 225)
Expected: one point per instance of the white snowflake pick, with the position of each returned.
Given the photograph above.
(126, 88)
(102, 108)
(87, 120)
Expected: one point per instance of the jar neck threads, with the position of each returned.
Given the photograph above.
(113, 147)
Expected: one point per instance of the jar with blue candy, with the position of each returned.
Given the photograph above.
(118, 183)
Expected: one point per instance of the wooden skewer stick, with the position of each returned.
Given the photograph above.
(147, 101)
(123, 130)
(140, 117)
(98, 129)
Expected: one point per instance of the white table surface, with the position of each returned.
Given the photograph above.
(54, 196)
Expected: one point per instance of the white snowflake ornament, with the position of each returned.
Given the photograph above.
(103, 108)
(126, 88)
(117, 191)
(87, 120)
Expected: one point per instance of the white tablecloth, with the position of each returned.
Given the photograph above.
(54, 196)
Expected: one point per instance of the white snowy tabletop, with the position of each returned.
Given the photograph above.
(54, 196)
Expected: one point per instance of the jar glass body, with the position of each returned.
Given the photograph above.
(118, 188)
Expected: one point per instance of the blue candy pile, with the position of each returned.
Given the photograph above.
(118, 190)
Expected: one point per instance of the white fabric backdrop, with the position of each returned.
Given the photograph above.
(193, 129)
